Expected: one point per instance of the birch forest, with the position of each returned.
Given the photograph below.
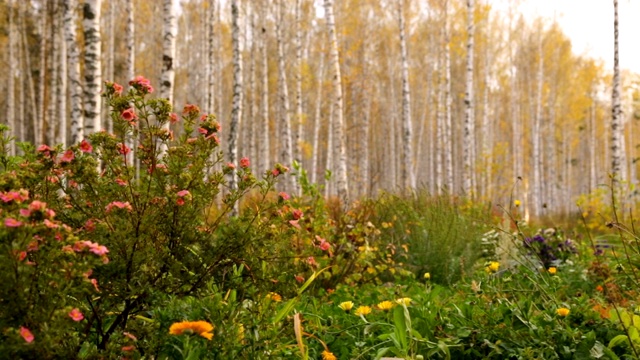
(453, 97)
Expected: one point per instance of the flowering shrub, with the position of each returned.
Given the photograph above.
(550, 247)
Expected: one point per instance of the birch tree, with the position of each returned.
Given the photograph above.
(342, 185)
(536, 179)
(61, 64)
(169, 31)
(408, 175)
(92, 66)
(263, 142)
(73, 70)
(297, 143)
(618, 158)
(236, 111)
(11, 88)
(286, 149)
(468, 141)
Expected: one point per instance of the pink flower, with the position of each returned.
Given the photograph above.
(275, 172)
(22, 255)
(128, 348)
(50, 224)
(89, 225)
(11, 222)
(297, 214)
(76, 315)
(203, 131)
(98, 249)
(25, 212)
(26, 334)
(190, 109)
(231, 166)
(299, 278)
(121, 182)
(244, 162)
(283, 195)
(117, 89)
(183, 193)
(37, 205)
(295, 224)
(130, 336)
(324, 246)
(43, 148)
(173, 118)
(85, 147)
(312, 261)
(119, 205)
(68, 156)
(180, 201)
(129, 115)
(142, 84)
(95, 284)
(122, 148)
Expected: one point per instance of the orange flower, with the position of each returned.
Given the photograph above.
(328, 355)
(599, 288)
(201, 328)
(562, 312)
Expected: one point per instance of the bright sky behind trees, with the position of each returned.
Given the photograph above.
(589, 25)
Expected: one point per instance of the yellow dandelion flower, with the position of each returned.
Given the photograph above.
(517, 203)
(240, 332)
(346, 306)
(201, 328)
(427, 276)
(493, 267)
(385, 305)
(274, 297)
(363, 310)
(404, 301)
(552, 270)
(328, 355)
(562, 312)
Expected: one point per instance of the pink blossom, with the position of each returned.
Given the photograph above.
(244, 162)
(50, 224)
(73, 184)
(121, 182)
(17, 196)
(68, 156)
(95, 284)
(130, 336)
(32, 246)
(44, 148)
(183, 193)
(214, 137)
(180, 201)
(122, 148)
(297, 214)
(324, 246)
(26, 334)
(142, 84)
(25, 212)
(99, 249)
(190, 109)
(117, 89)
(11, 222)
(173, 118)
(85, 147)
(89, 225)
(67, 249)
(295, 224)
(283, 195)
(129, 115)
(76, 315)
(275, 172)
(312, 261)
(231, 166)
(128, 348)
(22, 255)
(299, 278)
(203, 131)
(119, 205)
(37, 205)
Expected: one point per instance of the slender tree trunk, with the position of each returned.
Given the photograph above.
(618, 158)
(536, 179)
(73, 68)
(41, 117)
(468, 141)
(236, 112)
(593, 180)
(33, 105)
(448, 131)
(263, 147)
(408, 175)
(92, 66)
(169, 32)
(211, 49)
(62, 80)
(253, 104)
(316, 123)
(286, 147)
(338, 122)
(297, 143)
(52, 69)
(11, 87)
(110, 76)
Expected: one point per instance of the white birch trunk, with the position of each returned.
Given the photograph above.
(24, 46)
(52, 69)
(169, 32)
(338, 122)
(41, 117)
(618, 158)
(536, 178)
(62, 80)
(73, 70)
(448, 132)
(110, 76)
(408, 175)
(11, 87)
(263, 142)
(299, 119)
(316, 123)
(236, 111)
(253, 104)
(209, 63)
(286, 147)
(468, 141)
(92, 66)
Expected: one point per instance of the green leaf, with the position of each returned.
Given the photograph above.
(399, 320)
(285, 310)
(625, 318)
(618, 340)
(381, 353)
(310, 280)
